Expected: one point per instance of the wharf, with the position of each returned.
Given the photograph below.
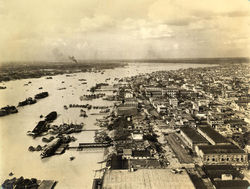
(47, 184)
(81, 146)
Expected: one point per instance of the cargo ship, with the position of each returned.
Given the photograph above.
(39, 129)
(50, 149)
(41, 95)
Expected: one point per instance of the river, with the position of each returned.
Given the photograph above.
(14, 143)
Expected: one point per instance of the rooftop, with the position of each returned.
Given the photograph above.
(193, 135)
(231, 184)
(146, 179)
(215, 149)
(214, 135)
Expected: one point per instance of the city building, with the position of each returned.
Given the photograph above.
(192, 137)
(222, 154)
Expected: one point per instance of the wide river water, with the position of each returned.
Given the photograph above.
(14, 143)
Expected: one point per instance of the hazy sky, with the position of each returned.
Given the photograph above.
(88, 29)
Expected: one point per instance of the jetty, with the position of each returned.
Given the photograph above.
(81, 146)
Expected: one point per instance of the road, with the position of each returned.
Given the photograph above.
(176, 144)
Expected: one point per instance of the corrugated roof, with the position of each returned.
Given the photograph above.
(146, 179)
(193, 135)
(214, 135)
(223, 149)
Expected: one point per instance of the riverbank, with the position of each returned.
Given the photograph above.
(15, 71)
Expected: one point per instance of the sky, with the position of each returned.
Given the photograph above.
(52, 30)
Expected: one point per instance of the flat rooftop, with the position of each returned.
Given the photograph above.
(193, 135)
(214, 135)
(146, 179)
(231, 184)
(221, 149)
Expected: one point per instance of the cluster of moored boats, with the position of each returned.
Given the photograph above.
(88, 106)
(43, 125)
(92, 96)
(13, 109)
(31, 100)
(28, 101)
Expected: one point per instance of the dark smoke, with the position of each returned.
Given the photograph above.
(72, 58)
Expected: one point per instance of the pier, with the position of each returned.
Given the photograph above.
(81, 146)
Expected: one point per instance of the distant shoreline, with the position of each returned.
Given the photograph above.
(115, 61)
(27, 71)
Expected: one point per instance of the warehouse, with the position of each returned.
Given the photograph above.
(222, 154)
(192, 137)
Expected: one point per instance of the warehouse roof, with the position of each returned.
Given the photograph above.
(216, 149)
(214, 135)
(193, 135)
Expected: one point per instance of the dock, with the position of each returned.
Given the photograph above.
(47, 184)
(81, 146)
